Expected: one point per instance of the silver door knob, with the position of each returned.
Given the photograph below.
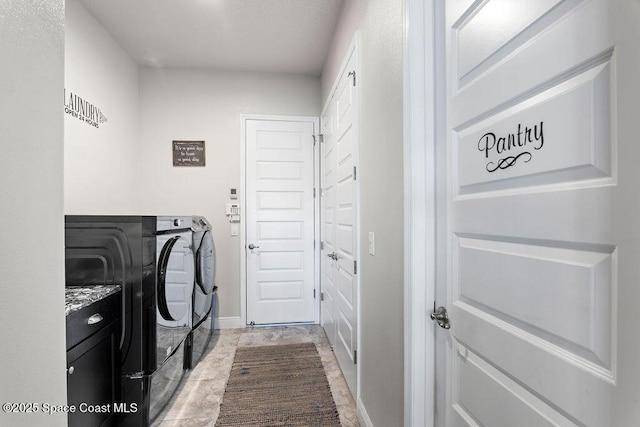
(252, 246)
(441, 317)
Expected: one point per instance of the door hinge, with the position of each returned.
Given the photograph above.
(314, 294)
(321, 245)
(354, 173)
(355, 357)
(352, 73)
(321, 296)
(318, 138)
(355, 267)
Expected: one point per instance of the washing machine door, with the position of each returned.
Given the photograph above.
(206, 263)
(175, 279)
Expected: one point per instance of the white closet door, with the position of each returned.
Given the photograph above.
(280, 221)
(328, 228)
(340, 223)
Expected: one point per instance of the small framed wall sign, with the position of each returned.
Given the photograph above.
(188, 153)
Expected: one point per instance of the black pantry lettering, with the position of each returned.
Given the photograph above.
(490, 143)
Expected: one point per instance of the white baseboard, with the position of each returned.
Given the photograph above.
(229, 323)
(363, 417)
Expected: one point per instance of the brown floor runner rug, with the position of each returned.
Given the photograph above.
(278, 385)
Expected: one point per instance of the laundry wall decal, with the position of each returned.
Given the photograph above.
(83, 110)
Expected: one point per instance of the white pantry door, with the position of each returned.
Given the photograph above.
(543, 224)
(280, 221)
(339, 222)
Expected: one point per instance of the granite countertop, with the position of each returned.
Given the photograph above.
(78, 297)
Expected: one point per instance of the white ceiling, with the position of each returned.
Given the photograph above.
(281, 36)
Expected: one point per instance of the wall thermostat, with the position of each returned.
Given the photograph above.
(233, 212)
(232, 209)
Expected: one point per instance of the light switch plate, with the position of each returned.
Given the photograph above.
(235, 229)
(372, 243)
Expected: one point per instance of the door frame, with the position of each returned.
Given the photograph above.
(243, 214)
(423, 50)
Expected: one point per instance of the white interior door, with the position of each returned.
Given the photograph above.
(543, 237)
(339, 222)
(328, 228)
(280, 221)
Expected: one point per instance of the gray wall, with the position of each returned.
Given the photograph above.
(100, 163)
(379, 24)
(187, 104)
(32, 354)
(381, 166)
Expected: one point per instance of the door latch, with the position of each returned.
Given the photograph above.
(441, 317)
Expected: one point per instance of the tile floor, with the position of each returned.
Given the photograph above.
(197, 400)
